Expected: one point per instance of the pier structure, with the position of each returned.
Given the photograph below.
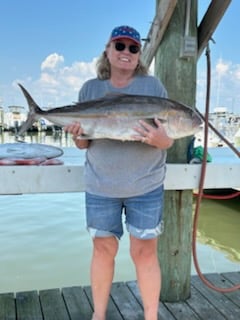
(75, 303)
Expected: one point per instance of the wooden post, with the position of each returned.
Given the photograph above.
(175, 65)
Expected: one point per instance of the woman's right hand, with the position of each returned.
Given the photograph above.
(77, 131)
(74, 128)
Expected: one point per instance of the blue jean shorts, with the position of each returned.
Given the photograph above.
(143, 215)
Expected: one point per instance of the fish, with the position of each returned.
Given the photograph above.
(114, 116)
(20, 151)
(28, 162)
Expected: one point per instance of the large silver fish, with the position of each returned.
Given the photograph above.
(28, 151)
(114, 116)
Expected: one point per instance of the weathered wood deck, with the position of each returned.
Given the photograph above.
(75, 303)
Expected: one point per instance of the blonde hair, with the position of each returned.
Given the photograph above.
(104, 68)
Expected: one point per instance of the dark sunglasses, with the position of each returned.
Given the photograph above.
(119, 46)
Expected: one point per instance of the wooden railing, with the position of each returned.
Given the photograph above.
(69, 178)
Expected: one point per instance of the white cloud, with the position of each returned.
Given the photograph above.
(225, 86)
(48, 79)
(58, 84)
(52, 62)
(222, 67)
(236, 72)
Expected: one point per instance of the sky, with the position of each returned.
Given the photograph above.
(51, 48)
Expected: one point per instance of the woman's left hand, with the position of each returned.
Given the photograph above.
(154, 136)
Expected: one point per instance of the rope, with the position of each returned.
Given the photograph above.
(201, 185)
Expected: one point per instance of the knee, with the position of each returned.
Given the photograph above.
(143, 251)
(105, 248)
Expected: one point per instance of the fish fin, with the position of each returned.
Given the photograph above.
(33, 110)
(110, 95)
(107, 96)
(26, 125)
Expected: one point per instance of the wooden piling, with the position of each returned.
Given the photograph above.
(176, 67)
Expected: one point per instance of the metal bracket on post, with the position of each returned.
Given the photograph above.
(189, 43)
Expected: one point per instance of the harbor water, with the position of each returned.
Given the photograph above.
(45, 244)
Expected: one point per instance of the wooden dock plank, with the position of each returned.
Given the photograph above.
(28, 306)
(181, 311)
(77, 302)
(234, 279)
(202, 307)
(53, 306)
(231, 309)
(163, 312)
(7, 306)
(126, 302)
(220, 301)
(112, 310)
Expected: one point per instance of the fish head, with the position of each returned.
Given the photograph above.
(182, 123)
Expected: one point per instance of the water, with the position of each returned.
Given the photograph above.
(44, 242)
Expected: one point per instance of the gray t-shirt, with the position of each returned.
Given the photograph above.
(123, 169)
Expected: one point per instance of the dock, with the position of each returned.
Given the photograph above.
(75, 303)
(49, 179)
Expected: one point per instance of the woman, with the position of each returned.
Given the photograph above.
(124, 177)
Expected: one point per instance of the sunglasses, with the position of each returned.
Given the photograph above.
(119, 46)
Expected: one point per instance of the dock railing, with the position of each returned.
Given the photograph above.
(69, 178)
(31, 179)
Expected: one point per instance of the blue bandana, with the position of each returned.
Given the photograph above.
(125, 32)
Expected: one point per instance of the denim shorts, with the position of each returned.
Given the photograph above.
(143, 215)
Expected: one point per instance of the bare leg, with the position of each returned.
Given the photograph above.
(102, 271)
(144, 255)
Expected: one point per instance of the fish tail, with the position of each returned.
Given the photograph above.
(32, 114)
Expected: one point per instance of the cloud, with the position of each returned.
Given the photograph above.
(58, 84)
(52, 62)
(225, 86)
(73, 76)
(236, 72)
(222, 67)
(48, 79)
